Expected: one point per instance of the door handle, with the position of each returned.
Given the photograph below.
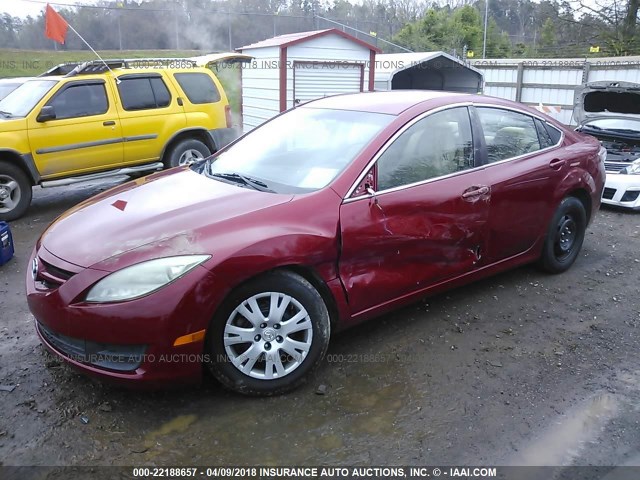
(475, 191)
(557, 164)
(109, 123)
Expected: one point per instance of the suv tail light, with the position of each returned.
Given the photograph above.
(227, 115)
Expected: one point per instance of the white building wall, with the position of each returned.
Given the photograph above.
(261, 78)
(329, 48)
(260, 87)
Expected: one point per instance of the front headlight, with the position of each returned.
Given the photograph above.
(143, 278)
(633, 169)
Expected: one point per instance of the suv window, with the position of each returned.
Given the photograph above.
(198, 87)
(436, 145)
(80, 101)
(507, 133)
(143, 93)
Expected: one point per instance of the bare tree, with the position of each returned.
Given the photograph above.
(615, 23)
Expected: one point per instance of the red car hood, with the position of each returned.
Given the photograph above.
(149, 210)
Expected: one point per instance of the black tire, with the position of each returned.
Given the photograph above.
(13, 201)
(183, 147)
(316, 335)
(564, 237)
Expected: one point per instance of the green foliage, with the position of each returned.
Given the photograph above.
(441, 29)
(498, 43)
(548, 34)
(465, 28)
(515, 27)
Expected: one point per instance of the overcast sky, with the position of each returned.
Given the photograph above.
(22, 8)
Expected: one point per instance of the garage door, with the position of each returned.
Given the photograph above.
(316, 80)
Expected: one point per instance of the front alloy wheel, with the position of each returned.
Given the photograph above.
(269, 335)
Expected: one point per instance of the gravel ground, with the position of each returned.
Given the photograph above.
(521, 369)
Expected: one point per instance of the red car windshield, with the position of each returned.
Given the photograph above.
(300, 151)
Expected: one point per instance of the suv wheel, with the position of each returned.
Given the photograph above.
(15, 192)
(186, 152)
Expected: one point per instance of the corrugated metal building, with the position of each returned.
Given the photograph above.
(553, 82)
(288, 70)
(426, 70)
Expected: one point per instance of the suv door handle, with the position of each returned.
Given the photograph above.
(109, 123)
(557, 164)
(475, 191)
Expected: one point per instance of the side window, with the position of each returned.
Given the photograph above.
(436, 145)
(143, 93)
(543, 135)
(80, 101)
(160, 91)
(507, 134)
(554, 133)
(198, 87)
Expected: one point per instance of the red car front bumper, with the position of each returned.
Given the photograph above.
(132, 342)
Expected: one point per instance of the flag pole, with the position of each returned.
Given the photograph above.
(96, 53)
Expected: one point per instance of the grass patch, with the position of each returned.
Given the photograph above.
(30, 63)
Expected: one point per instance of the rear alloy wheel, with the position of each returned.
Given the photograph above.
(187, 152)
(269, 335)
(565, 236)
(15, 192)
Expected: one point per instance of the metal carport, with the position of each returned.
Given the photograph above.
(426, 71)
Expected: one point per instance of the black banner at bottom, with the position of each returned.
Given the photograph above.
(312, 472)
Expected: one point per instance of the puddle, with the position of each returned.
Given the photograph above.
(178, 425)
(563, 441)
(299, 428)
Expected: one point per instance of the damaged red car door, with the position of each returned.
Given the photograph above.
(424, 217)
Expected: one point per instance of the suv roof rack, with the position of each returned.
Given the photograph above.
(71, 69)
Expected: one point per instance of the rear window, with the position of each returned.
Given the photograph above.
(143, 93)
(198, 87)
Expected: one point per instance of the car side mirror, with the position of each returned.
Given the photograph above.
(366, 186)
(47, 113)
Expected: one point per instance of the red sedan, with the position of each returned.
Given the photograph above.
(327, 215)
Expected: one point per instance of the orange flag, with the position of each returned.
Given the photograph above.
(55, 27)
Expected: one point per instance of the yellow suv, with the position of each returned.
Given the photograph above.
(88, 121)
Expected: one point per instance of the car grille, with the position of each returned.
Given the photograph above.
(52, 276)
(614, 167)
(121, 358)
(608, 193)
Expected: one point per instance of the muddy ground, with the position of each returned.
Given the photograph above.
(524, 368)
